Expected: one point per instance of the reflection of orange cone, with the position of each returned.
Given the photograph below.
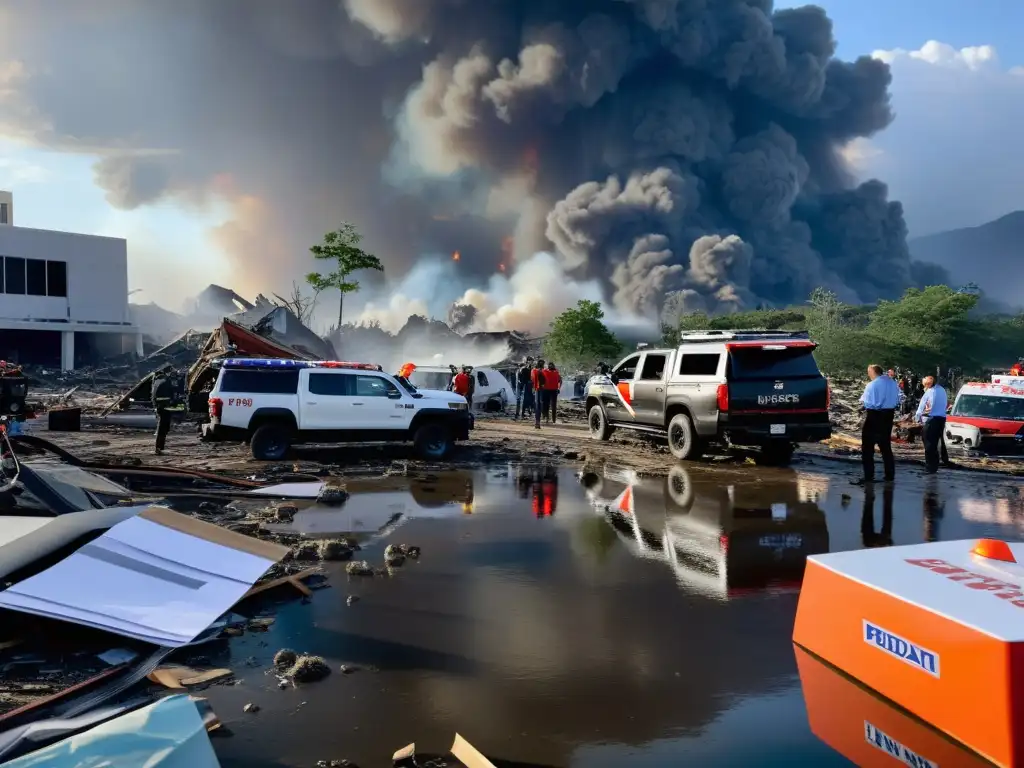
(863, 727)
(936, 628)
(626, 501)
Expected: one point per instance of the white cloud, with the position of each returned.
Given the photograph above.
(954, 154)
(15, 172)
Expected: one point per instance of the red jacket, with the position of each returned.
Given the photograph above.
(461, 384)
(537, 379)
(552, 380)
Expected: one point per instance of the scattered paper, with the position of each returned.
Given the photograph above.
(160, 577)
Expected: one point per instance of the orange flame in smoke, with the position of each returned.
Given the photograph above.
(456, 256)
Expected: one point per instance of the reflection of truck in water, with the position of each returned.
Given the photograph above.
(720, 539)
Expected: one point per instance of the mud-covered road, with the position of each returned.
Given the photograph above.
(495, 438)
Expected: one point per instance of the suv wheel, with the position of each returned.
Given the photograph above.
(598, 422)
(778, 453)
(432, 441)
(270, 443)
(682, 438)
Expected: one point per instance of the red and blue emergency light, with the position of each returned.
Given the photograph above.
(241, 362)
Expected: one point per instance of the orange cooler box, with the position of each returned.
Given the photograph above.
(937, 628)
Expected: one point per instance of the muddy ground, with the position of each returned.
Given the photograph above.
(496, 439)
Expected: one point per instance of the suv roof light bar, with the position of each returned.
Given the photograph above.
(243, 362)
(744, 335)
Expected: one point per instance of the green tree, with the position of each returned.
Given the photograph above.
(342, 247)
(826, 307)
(578, 337)
(929, 320)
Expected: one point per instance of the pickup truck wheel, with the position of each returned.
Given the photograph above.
(682, 438)
(775, 454)
(270, 443)
(598, 422)
(432, 441)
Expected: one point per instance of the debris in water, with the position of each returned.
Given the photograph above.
(285, 658)
(332, 494)
(251, 708)
(334, 549)
(286, 513)
(394, 555)
(306, 550)
(260, 624)
(348, 669)
(309, 669)
(352, 599)
(405, 756)
(359, 568)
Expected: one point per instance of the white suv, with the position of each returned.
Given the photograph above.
(273, 404)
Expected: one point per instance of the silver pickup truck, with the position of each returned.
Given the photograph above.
(759, 389)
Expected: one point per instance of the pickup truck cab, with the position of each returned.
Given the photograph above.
(273, 404)
(759, 389)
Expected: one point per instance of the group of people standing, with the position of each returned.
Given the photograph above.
(537, 386)
(881, 400)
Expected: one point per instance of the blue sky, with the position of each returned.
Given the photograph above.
(866, 25)
(171, 255)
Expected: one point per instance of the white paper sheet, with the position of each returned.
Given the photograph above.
(144, 580)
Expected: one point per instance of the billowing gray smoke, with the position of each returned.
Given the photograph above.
(686, 152)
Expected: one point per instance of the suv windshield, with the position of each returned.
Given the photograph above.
(406, 384)
(789, 363)
(987, 407)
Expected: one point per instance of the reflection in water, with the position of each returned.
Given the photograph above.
(604, 635)
(869, 536)
(933, 508)
(375, 507)
(868, 729)
(540, 485)
(720, 540)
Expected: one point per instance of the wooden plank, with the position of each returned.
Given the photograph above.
(54, 698)
(469, 755)
(294, 580)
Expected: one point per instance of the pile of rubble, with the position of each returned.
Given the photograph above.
(92, 666)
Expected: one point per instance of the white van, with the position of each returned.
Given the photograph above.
(493, 391)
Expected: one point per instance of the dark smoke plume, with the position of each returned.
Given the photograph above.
(683, 151)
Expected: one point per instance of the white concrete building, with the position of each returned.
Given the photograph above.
(63, 296)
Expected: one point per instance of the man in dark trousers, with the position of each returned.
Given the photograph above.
(163, 399)
(881, 398)
(552, 386)
(468, 370)
(931, 412)
(537, 385)
(524, 390)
